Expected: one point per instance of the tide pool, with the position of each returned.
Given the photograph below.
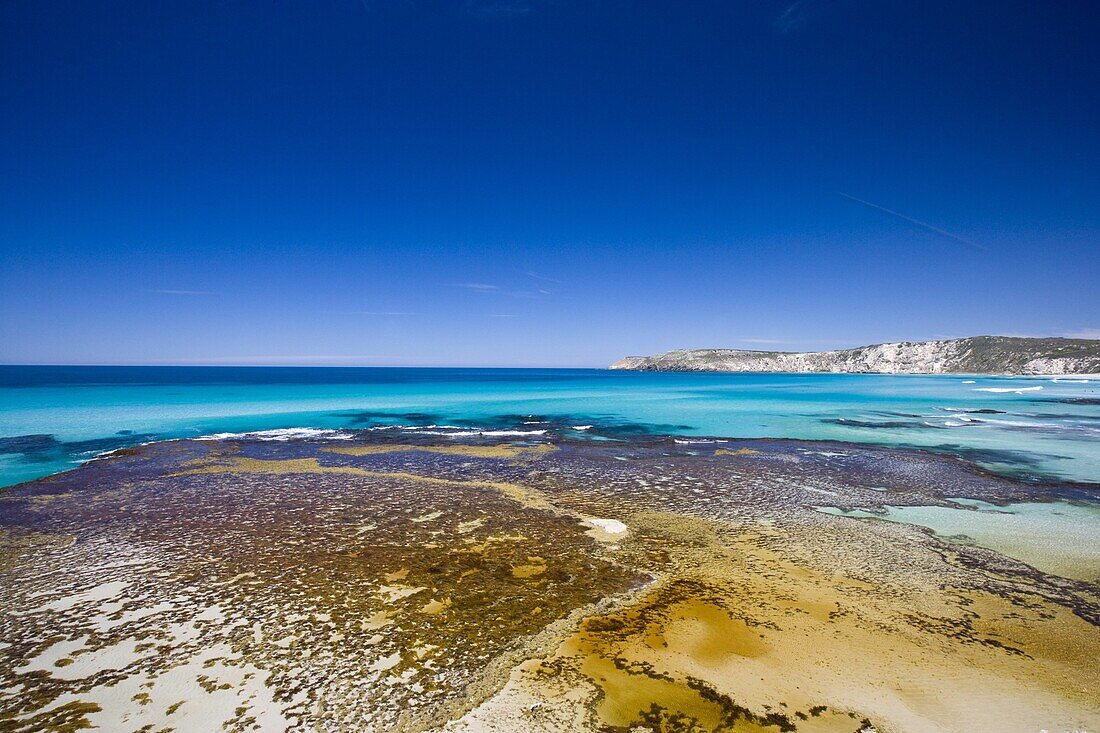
(1056, 537)
(54, 418)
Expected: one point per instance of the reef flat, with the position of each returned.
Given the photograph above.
(387, 583)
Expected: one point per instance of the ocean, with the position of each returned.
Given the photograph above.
(53, 418)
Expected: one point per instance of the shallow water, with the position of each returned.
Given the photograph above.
(54, 418)
(386, 583)
(1056, 537)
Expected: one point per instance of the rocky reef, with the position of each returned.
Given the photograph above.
(546, 585)
(977, 355)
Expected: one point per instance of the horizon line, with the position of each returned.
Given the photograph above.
(290, 366)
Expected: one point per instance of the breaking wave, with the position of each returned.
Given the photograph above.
(282, 435)
(1017, 390)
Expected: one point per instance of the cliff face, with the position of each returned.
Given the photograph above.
(977, 355)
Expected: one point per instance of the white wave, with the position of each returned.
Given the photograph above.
(1070, 381)
(103, 454)
(108, 453)
(424, 427)
(486, 433)
(684, 441)
(955, 422)
(414, 427)
(1041, 425)
(968, 381)
(581, 427)
(282, 435)
(1017, 390)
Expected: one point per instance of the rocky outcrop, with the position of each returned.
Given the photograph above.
(977, 355)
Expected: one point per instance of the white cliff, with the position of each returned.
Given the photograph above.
(977, 355)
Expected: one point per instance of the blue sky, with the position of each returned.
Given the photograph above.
(541, 182)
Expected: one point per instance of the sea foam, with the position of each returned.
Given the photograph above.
(282, 434)
(1017, 390)
(487, 433)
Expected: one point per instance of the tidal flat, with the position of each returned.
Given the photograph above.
(399, 584)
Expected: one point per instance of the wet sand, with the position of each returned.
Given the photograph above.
(645, 585)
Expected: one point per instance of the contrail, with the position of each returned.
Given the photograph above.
(918, 222)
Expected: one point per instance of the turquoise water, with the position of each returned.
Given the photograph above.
(1056, 537)
(54, 418)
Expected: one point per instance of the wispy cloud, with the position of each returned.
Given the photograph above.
(279, 359)
(382, 313)
(923, 224)
(797, 14)
(792, 17)
(1084, 333)
(488, 9)
(529, 293)
(482, 287)
(498, 8)
(166, 291)
(544, 278)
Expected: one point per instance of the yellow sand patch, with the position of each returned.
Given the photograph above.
(423, 650)
(254, 465)
(483, 548)
(535, 566)
(519, 494)
(434, 607)
(627, 696)
(393, 593)
(376, 621)
(470, 526)
(739, 637)
(506, 450)
(738, 452)
(701, 630)
(385, 663)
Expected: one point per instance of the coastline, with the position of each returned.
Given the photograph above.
(411, 541)
(1042, 486)
(1002, 423)
(976, 354)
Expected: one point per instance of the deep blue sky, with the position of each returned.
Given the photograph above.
(540, 182)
